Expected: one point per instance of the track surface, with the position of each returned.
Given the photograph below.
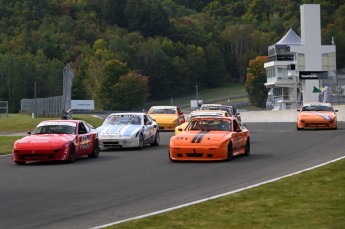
(128, 183)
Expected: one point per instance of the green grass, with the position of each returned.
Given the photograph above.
(6, 144)
(312, 199)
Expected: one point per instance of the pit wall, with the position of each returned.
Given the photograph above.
(282, 115)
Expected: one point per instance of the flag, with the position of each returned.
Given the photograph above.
(317, 90)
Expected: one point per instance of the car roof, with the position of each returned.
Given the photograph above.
(163, 107)
(214, 117)
(211, 112)
(317, 104)
(64, 120)
(128, 113)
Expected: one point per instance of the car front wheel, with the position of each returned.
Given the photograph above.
(230, 155)
(95, 150)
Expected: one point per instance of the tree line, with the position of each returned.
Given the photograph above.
(127, 52)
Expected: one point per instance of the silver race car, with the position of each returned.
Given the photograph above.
(128, 130)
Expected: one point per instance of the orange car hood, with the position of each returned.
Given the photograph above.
(198, 137)
(324, 115)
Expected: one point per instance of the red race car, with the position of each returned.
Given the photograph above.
(57, 140)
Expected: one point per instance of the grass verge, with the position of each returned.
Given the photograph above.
(6, 144)
(312, 199)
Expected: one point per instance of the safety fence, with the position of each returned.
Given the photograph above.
(332, 85)
(57, 106)
(3, 109)
(42, 107)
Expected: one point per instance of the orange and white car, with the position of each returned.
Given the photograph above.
(200, 113)
(167, 117)
(317, 116)
(210, 138)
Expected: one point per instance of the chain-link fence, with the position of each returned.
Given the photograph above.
(4, 109)
(51, 106)
(332, 85)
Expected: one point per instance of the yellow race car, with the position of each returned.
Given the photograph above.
(200, 113)
(317, 116)
(167, 117)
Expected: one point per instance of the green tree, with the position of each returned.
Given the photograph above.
(255, 83)
(130, 92)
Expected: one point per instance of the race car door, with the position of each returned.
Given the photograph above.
(238, 136)
(148, 128)
(84, 139)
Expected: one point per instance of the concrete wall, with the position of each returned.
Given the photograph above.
(282, 115)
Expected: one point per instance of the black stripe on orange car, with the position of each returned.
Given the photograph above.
(198, 137)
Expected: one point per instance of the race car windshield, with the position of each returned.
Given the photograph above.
(123, 120)
(208, 125)
(162, 111)
(317, 108)
(54, 129)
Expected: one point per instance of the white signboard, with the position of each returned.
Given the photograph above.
(82, 104)
(195, 104)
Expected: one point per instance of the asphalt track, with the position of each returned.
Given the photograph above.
(126, 183)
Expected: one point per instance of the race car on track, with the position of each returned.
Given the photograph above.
(167, 117)
(128, 130)
(230, 109)
(200, 113)
(57, 140)
(317, 116)
(210, 138)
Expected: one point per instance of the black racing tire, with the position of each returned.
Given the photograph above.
(247, 148)
(71, 155)
(20, 162)
(230, 152)
(299, 128)
(95, 150)
(157, 139)
(141, 142)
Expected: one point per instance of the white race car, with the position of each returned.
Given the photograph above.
(128, 130)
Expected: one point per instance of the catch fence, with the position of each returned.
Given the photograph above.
(52, 106)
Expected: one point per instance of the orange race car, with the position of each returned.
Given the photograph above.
(167, 117)
(210, 138)
(317, 115)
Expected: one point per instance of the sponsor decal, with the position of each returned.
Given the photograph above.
(325, 116)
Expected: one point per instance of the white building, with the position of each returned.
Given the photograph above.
(294, 63)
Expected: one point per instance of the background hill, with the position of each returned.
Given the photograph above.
(125, 53)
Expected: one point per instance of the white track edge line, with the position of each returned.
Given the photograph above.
(217, 196)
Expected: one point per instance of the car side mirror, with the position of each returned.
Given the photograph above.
(179, 129)
(238, 130)
(148, 123)
(336, 111)
(29, 132)
(298, 110)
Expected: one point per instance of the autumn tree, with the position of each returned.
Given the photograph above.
(255, 83)
(129, 92)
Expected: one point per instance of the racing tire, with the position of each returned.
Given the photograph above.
(95, 150)
(230, 152)
(20, 162)
(247, 148)
(299, 128)
(157, 139)
(71, 155)
(141, 142)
